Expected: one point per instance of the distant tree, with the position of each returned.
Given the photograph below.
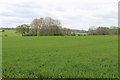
(73, 34)
(24, 28)
(54, 30)
(43, 27)
(66, 31)
(27, 28)
(46, 26)
(92, 31)
(3, 30)
(35, 25)
(103, 31)
(114, 30)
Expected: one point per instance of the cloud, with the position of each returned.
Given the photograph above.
(74, 14)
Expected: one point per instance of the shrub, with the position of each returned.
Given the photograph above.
(80, 35)
(4, 35)
(3, 30)
(73, 34)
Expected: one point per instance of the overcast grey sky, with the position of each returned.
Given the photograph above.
(74, 14)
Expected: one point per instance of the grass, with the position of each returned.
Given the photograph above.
(78, 33)
(60, 57)
(10, 33)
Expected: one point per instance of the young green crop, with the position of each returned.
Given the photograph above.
(60, 56)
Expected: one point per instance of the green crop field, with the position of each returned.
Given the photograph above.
(60, 57)
(10, 33)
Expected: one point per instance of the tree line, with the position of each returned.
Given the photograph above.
(103, 31)
(43, 27)
(52, 27)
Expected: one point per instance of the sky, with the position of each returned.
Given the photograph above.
(73, 14)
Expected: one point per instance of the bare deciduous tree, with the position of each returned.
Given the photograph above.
(46, 26)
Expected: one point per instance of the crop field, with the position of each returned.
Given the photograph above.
(60, 57)
(10, 33)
